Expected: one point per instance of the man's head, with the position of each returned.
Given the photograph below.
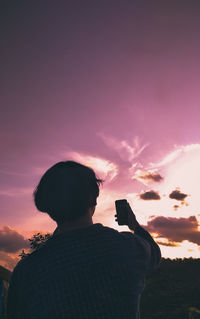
(67, 191)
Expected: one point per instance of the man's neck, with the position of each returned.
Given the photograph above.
(68, 226)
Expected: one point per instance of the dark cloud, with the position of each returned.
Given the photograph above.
(169, 243)
(150, 177)
(150, 195)
(176, 194)
(11, 241)
(175, 229)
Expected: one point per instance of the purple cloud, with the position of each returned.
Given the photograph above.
(150, 195)
(175, 229)
(176, 194)
(11, 241)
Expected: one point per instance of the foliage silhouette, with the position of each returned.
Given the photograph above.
(36, 241)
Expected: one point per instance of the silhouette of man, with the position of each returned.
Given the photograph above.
(84, 270)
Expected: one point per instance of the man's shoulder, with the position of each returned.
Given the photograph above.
(123, 235)
(27, 261)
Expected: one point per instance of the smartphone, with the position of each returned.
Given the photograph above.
(122, 212)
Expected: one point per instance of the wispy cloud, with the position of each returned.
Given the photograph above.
(167, 243)
(106, 169)
(126, 151)
(178, 152)
(16, 191)
(12, 173)
(147, 177)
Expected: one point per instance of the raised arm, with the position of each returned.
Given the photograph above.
(144, 236)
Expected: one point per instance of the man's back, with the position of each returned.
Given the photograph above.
(93, 272)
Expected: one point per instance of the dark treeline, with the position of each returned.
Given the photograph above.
(173, 290)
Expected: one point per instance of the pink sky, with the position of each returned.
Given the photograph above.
(115, 87)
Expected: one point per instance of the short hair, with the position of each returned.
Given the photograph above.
(66, 191)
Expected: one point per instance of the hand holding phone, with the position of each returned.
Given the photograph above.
(121, 212)
(124, 214)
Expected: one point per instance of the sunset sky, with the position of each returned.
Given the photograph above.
(113, 85)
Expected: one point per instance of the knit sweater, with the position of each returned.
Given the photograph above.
(94, 272)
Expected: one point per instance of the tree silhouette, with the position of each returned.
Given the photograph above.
(36, 241)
